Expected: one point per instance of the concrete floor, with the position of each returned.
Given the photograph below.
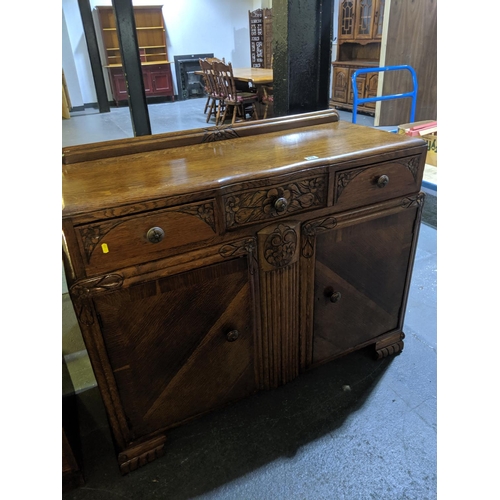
(310, 439)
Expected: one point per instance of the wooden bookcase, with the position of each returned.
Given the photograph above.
(150, 29)
(261, 38)
(359, 41)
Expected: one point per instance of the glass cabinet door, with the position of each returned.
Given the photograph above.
(346, 20)
(378, 19)
(364, 19)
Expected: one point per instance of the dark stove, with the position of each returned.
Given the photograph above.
(189, 85)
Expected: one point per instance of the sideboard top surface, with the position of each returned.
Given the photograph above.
(133, 178)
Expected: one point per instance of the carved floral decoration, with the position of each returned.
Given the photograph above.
(280, 246)
(219, 134)
(344, 178)
(204, 211)
(257, 205)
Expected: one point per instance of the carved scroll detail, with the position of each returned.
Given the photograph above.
(238, 248)
(280, 246)
(205, 212)
(92, 235)
(344, 178)
(413, 201)
(412, 166)
(219, 134)
(84, 289)
(258, 205)
(311, 229)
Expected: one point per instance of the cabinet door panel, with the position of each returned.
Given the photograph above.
(367, 263)
(371, 86)
(161, 81)
(168, 346)
(341, 83)
(119, 84)
(360, 86)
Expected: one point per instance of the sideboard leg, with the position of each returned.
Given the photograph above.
(142, 454)
(389, 346)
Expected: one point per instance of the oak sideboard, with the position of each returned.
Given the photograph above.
(209, 264)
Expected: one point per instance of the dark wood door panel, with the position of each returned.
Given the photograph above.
(168, 346)
(367, 264)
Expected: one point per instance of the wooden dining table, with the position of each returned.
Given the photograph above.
(253, 76)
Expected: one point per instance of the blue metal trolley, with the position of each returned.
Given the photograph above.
(412, 94)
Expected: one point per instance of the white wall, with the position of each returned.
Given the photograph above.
(193, 27)
(69, 67)
(83, 84)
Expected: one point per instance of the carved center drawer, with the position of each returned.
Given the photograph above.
(375, 183)
(275, 201)
(131, 240)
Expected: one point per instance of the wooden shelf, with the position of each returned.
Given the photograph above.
(152, 44)
(145, 63)
(358, 62)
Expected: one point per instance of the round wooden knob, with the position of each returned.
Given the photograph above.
(155, 235)
(332, 295)
(281, 204)
(382, 181)
(232, 335)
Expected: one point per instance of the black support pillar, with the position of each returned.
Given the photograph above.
(302, 41)
(127, 36)
(95, 59)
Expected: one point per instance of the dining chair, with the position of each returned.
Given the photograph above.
(213, 100)
(226, 89)
(267, 98)
(211, 60)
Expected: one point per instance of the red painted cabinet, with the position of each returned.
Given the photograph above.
(156, 70)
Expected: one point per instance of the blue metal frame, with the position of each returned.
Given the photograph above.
(412, 94)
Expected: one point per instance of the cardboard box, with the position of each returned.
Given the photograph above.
(426, 130)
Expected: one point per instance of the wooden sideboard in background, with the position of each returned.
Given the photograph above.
(375, 33)
(359, 40)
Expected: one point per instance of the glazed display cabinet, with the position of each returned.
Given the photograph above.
(360, 25)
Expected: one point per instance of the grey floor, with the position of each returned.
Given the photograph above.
(91, 126)
(311, 439)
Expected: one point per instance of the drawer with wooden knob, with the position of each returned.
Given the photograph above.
(279, 200)
(375, 183)
(109, 244)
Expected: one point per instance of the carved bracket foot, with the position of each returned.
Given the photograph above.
(140, 455)
(389, 346)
